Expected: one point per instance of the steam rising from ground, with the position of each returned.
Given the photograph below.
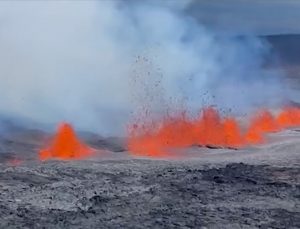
(93, 62)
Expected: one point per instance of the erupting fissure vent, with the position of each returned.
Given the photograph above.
(65, 145)
(155, 139)
(263, 122)
(209, 129)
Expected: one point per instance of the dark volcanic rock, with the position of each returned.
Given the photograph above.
(112, 144)
(236, 173)
(145, 194)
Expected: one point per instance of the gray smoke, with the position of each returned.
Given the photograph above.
(89, 63)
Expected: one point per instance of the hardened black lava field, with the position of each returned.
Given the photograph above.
(257, 187)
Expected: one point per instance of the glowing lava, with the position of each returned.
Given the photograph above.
(263, 122)
(65, 145)
(212, 130)
(289, 117)
(233, 135)
(156, 139)
(209, 129)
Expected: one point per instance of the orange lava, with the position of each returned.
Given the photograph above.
(209, 129)
(158, 138)
(263, 122)
(65, 145)
(176, 132)
(212, 130)
(233, 135)
(289, 117)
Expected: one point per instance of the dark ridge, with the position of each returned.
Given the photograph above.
(287, 47)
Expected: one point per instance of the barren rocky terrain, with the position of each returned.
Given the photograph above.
(257, 187)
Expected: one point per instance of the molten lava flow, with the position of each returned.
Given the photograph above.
(65, 145)
(141, 141)
(176, 132)
(289, 117)
(233, 136)
(263, 122)
(156, 139)
(146, 145)
(210, 129)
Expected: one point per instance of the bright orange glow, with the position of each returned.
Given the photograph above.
(158, 138)
(65, 145)
(263, 122)
(176, 132)
(233, 136)
(289, 117)
(209, 129)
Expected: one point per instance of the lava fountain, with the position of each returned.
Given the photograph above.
(65, 145)
(208, 130)
(263, 122)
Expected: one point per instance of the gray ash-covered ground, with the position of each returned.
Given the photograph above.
(208, 188)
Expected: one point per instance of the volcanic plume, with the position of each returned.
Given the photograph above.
(65, 145)
(80, 43)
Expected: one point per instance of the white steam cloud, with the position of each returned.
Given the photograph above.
(89, 62)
